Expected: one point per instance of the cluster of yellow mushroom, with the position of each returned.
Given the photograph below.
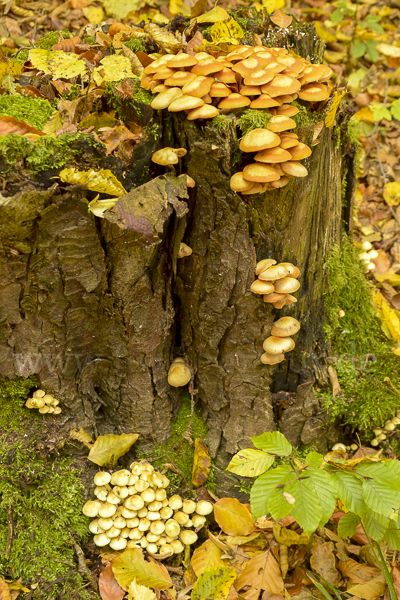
(367, 254)
(132, 510)
(380, 434)
(44, 403)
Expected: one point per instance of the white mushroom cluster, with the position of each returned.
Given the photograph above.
(132, 510)
(44, 403)
(366, 256)
(339, 447)
(381, 434)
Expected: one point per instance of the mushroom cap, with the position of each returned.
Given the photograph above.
(273, 155)
(278, 345)
(219, 90)
(282, 181)
(234, 101)
(181, 61)
(286, 285)
(165, 156)
(164, 99)
(180, 78)
(91, 508)
(207, 111)
(181, 517)
(118, 543)
(163, 73)
(198, 87)
(38, 394)
(203, 507)
(300, 151)
(188, 537)
(285, 327)
(295, 169)
(287, 98)
(157, 64)
(271, 359)
(179, 375)
(250, 90)
(172, 528)
(260, 77)
(147, 82)
(264, 101)
(273, 273)
(249, 65)
(259, 139)
(239, 184)
(198, 521)
(101, 539)
(225, 76)
(273, 297)
(262, 287)
(315, 73)
(257, 188)
(292, 270)
(260, 172)
(314, 92)
(184, 250)
(281, 123)
(189, 506)
(288, 142)
(185, 102)
(287, 110)
(280, 85)
(177, 546)
(206, 67)
(264, 264)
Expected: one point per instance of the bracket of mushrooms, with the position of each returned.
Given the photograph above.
(258, 77)
(276, 283)
(132, 510)
(44, 403)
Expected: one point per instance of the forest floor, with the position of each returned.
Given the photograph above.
(45, 550)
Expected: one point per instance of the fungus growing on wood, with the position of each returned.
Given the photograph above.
(285, 327)
(44, 403)
(179, 373)
(184, 250)
(278, 345)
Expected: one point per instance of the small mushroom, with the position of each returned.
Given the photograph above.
(203, 508)
(164, 99)
(91, 508)
(101, 539)
(120, 477)
(118, 543)
(278, 345)
(168, 156)
(286, 285)
(259, 139)
(177, 546)
(181, 518)
(172, 528)
(188, 536)
(198, 521)
(285, 327)
(271, 359)
(184, 250)
(273, 273)
(260, 173)
(339, 447)
(262, 287)
(189, 506)
(175, 502)
(179, 374)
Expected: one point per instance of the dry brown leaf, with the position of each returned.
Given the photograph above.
(199, 8)
(381, 262)
(82, 436)
(108, 586)
(335, 385)
(262, 572)
(357, 572)
(323, 562)
(112, 137)
(194, 43)
(4, 590)
(11, 125)
(233, 517)
(281, 19)
(201, 463)
(370, 590)
(68, 45)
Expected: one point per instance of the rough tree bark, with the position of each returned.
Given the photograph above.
(97, 308)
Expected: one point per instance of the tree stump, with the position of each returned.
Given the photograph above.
(98, 308)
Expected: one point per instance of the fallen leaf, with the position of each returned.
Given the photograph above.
(109, 448)
(331, 114)
(82, 436)
(11, 125)
(262, 572)
(94, 14)
(390, 319)
(112, 137)
(194, 43)
(281, 19)
(213, 15)
(201, 463)
(108, 586)
(213, 584)
(368, 591)
(102, 181)
(140, 592)
(226, 32)
(233, 517)
(388, 50)
(391, 193)
(382, 262)
(206, 556)
(199, 8)
(131, 565)
(113, 68)
(323, 562)
(288, 537)
(4, 590)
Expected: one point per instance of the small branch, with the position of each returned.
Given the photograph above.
(83, 568)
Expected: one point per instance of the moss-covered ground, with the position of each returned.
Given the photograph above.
(41, 495)
(365, 363)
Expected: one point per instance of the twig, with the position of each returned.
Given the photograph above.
(83, 568)
(178, 570)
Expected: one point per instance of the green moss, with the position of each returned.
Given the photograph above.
(305, 116)
(364, 355)
(45, 42)
(34, 111)
(45, 153)
(254, 118)
(353, 134)
(178, 448)
(345, 182)
(115, 100)
(136, 45)
(41, 495)
(221, 122)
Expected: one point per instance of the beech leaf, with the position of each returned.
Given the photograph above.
(140, 592)
(102, 181)
(262, 572)
(201, 463)
(207, 556)
(233, 517)
(11, 125)
(131, 565)
(281, 19)
(250, 462)
(4, 590)
(109, 587)
(214, 584)
(212, 16)
(109, 448)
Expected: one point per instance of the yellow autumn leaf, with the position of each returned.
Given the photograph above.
(131, 565)
(13, 68)
(323, 33)
(330, 115)
(390, 276)
(201, 463)
(82, 436)
(396, 351)
(390, 318)
(214, 584)
(113, 68)
(140, 592)
(391, 193)
(389, 50)
(120, 9)
(99, 207)
(207, 556)
(233, 517)
(94, 14)
(108, 448)
(54, 124)
(213, 15)
(272, 5)
(226, 32)
(102, 181)
(40, 59)
(370, 590)
(365, 114)
(177, 7)
(62, 65)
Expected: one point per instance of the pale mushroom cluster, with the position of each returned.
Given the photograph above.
(132, 510)
(44, 403)
(339, 447)
(367, 254)
(276, 283)
(381, 434)
(257, 77)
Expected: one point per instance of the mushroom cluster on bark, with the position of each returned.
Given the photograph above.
(132, 510)
(258, 77)
(276, 283)
(44, 403)
(382, 433)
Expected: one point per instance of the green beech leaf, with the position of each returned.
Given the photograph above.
(380, 497)
(314, 459)
(250, 463)
(263, 487)
(395, 109)
(278, 504)
(306, 509)
(337, 16)
(325, 490)
(372, 52)
(358, 48)
(375, 525)
(348, 525)
(274, 443)
(392, 536)
(349, 489)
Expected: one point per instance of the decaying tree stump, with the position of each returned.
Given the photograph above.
(98, 308)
